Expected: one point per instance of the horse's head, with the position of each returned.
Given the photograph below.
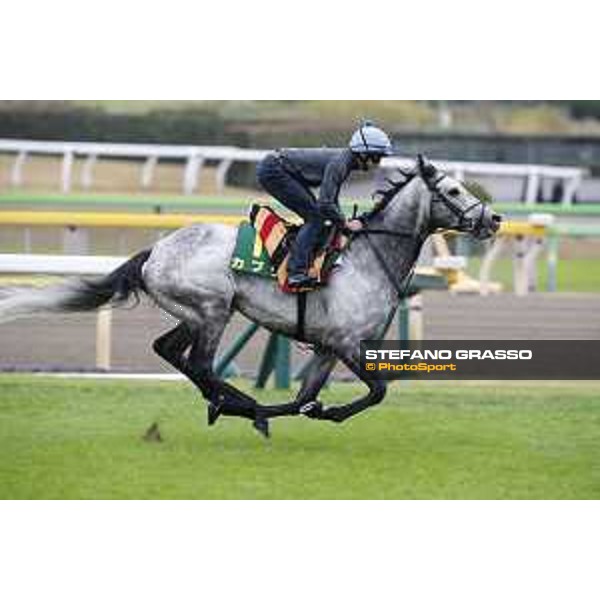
(453, 206)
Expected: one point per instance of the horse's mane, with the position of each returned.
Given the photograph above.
(392, 187)
(383, 196)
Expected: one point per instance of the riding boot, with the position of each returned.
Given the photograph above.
(302, 251)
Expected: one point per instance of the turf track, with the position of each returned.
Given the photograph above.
(82, 439)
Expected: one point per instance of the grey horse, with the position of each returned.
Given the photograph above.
(188, 275)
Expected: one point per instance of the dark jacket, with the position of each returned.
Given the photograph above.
(326, 168)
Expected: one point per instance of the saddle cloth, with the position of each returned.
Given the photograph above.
(263, 248)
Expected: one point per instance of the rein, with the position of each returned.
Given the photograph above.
(397, 285)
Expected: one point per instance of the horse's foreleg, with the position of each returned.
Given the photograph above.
(313, 384)
(377, 390)
(306, 401)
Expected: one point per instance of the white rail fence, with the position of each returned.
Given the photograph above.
(194, 157)
(46, 264)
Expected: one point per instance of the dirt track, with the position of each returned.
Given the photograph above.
(68, 342)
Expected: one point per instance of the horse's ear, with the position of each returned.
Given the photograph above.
(426, 168)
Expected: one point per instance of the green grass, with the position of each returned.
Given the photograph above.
(82, 439)
(511, 208)
(573, 275)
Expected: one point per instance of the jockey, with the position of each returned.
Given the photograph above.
(289, 174)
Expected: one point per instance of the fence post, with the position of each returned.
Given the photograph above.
(225, 361)
(16, 176)
(87, 171)
(415, 317)
(103, 339)
(221, 174)
(570, 189)
(282, 363)
(487, 262)
(147, 174)
(191, 173)
(533, 186)
(268, 362)
(404, 321)
(553, 246)
(275, 359)
(66, 171)
(520, 278)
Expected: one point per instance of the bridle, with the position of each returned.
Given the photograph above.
(466, 224)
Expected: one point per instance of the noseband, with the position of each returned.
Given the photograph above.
(466, 224)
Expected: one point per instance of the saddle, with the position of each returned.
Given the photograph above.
(264, 243)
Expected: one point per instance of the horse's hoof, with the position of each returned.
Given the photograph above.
(334, 413)
(312, 410)
(262, 426)
(214, 412)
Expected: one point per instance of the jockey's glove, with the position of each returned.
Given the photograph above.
(331, 212)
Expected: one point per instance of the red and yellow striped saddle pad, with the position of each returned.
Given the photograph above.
(277, 236)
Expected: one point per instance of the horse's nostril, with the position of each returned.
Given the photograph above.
(497, 218)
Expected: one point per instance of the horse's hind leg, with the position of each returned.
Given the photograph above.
(172, 347)
(223, 398)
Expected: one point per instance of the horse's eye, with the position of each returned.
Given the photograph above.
(454, 192)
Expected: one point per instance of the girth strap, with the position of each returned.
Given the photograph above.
(301, 318)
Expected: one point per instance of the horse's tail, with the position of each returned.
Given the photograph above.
(76, 294)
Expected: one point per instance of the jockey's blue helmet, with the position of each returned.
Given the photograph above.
(368, 139)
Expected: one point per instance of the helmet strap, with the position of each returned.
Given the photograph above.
(364, 139)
